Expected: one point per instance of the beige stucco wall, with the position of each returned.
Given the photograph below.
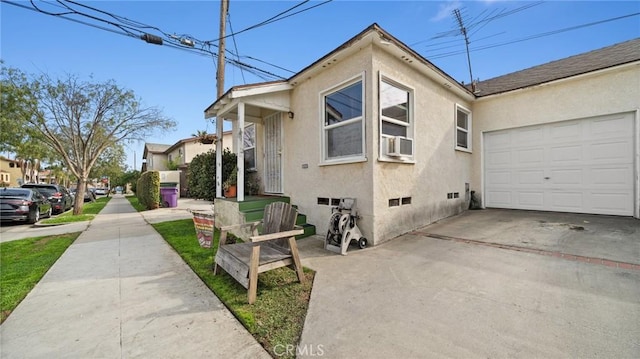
(302, 147)
(600, 93)
(156, 162)
(192, 149)
(438, 169)
(14, 173)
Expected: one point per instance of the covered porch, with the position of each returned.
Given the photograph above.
(266, 106)
(261, 104)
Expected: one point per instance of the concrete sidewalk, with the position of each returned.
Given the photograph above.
(120, 291)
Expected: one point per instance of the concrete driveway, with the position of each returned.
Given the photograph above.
(418, 296)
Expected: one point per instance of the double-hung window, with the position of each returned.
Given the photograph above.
(396, 120)
(463, 129)
(249, 144)
(342, 122)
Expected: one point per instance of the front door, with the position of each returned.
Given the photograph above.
(273, 153)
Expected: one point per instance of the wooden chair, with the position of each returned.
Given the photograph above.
(275, 248)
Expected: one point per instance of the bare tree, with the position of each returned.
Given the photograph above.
(79, 120)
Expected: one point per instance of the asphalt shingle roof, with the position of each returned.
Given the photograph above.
(618, 54)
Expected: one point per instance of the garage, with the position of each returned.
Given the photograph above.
(581, 166)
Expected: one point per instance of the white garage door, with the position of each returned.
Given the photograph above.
(582, 166)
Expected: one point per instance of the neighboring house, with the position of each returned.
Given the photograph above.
(47, 176)
(376, 121)
(9, 172)
(158, 157)
(154, 158)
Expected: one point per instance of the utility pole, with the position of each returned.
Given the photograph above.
(463, 30)
(224, 8)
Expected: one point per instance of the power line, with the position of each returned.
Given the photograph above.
(473, 23)
(74, 20)
(235, 45)
(535, 36)
(265, 22)
(487, 19)
(127, 29)
(275, 18)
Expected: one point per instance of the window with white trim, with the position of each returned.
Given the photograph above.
(249, 144)
(342, 122)
(396, 114)
(463, 129)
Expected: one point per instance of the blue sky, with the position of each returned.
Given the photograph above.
(182, 83)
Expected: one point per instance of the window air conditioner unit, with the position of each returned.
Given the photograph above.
(399, 146)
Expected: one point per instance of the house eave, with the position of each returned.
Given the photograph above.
(229, 99)
(375, 35)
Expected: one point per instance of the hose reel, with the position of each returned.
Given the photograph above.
(343, 227)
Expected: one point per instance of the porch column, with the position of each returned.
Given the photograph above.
(219, 147)
(240, 153)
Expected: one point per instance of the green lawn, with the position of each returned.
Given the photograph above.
(89, 210)
(23, 263)
(136, 204)
(95, 207)
(277, 316)
(275, 319)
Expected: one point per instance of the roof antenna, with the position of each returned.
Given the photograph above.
(463, 31)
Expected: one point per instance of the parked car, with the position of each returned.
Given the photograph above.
(89, 196)
(58, 195)
(23, 204)
(101, 191)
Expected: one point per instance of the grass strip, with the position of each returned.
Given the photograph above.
(136, 204)
(276, 318)
(68, 219)
(89, 210)
(24, 262)
(95, 207)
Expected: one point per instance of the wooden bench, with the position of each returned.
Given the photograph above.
(275, 248)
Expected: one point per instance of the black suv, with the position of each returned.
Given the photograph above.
(60, 198)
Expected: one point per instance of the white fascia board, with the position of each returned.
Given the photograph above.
(225, 104)
(270, 105)
(223, 108)
(259, 90)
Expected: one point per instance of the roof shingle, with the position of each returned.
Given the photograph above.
(618, 54)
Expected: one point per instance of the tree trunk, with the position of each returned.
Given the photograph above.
(81, 188)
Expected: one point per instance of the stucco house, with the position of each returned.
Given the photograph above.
(158, 157)
(10, 172)
(376, 121)
(13, 173)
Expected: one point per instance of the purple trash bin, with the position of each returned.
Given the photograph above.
(169, 196)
